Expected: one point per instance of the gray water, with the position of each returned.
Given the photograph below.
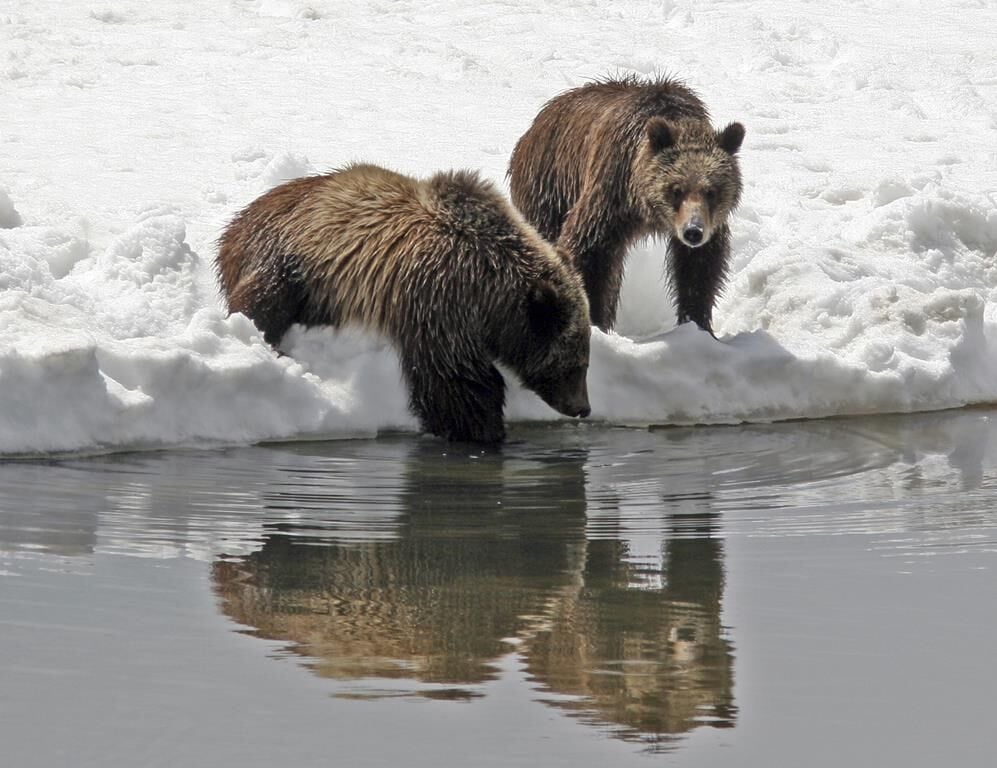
(805, 594)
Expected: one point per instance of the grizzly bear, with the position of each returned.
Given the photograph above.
(445, 268)
(613, 161)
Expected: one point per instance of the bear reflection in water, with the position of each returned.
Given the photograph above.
(495, 550)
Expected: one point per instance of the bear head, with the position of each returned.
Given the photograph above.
(548, 348)
(528, 297)
(687, 177)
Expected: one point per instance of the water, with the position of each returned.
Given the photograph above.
(813, 593)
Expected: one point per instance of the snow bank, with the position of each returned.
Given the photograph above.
(865, 251)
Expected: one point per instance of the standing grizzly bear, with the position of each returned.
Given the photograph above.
(445, 268)
(614, 161)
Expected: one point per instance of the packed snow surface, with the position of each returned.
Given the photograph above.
(864, 273)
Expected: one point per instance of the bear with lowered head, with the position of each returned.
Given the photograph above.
(445, 268)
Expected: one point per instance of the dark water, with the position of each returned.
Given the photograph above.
(813, 593)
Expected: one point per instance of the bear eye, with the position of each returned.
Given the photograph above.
(711, 195)
(677, 194)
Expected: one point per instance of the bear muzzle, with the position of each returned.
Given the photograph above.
(690, 224)
(579, 412)
(567, 394)
(576, 406)
(693, 233)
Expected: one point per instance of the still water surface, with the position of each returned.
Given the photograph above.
(803, 594)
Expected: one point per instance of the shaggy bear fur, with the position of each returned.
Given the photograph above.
(614, 161)
(444, 267)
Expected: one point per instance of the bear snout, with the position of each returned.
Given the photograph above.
(692, 235)
(690, 226)
(577, 407)
(690, 222)
(566, 393)
(575, 410)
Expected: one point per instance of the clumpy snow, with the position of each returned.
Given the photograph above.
(9, 217)
(864, 275)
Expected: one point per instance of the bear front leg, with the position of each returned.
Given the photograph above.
(697, 276)
(463, 405)
(598, 246)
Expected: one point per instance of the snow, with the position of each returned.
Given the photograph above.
(865, 250)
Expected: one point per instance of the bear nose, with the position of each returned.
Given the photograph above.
(583, 412)
(693, 235)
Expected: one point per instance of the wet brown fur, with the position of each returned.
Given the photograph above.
(444, 267)
(614, 161)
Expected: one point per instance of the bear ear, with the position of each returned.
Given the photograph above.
(730, 138)
(545, 309)
(659, 134)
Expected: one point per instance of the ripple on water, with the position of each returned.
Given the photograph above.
(590, 561)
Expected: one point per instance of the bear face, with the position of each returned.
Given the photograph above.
(555, 358)
(687, 177)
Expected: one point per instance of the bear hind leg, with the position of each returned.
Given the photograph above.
(274, 300)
